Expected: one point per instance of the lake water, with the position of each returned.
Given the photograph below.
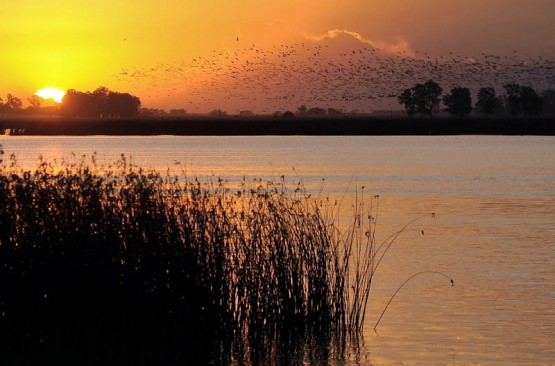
(494, 231)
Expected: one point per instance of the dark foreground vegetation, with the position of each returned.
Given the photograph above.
(116, 265)
(231, 126)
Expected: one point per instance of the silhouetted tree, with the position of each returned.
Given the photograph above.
(152, 113)
(488, 101)
(522, 99)
(100, 103)
(178, 112)
(531, 101)
(548, 99)
(316, 112)
(217, 113)
(427, 97)
(407, 99)
(458, 102)
(422, 99)
(35, 101)
(76, 104)
(13, 102)
(122, 105)
(98, 100)
(288, 114)
(302, 110)
(246, 113)
(512, 100)
(332, 112)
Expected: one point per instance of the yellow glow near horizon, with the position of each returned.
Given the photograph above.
(51, 93)
(84, 45)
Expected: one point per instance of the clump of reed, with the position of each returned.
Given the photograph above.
(115, 262)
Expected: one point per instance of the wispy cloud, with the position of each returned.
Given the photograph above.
(398, 45)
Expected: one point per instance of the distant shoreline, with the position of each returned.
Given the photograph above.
(230, 126)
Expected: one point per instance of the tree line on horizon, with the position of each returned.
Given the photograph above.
(423, 100)
(519, 100)
(101, 103)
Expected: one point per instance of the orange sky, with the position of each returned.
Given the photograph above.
(82, 45)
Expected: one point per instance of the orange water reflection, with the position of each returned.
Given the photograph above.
(494, 199)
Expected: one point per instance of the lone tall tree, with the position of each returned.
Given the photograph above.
(487, 102)
(458, 102)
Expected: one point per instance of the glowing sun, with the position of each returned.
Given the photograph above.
(51, 93)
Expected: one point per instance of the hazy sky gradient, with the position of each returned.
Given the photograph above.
(76, 44)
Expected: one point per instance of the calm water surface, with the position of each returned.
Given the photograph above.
(494, 231)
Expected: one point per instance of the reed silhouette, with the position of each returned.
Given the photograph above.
(121, 265)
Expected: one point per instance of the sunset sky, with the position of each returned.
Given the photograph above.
(82, 45)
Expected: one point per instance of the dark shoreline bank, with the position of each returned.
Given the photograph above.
(230, 126)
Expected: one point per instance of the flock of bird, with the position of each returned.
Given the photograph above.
(362, 79)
